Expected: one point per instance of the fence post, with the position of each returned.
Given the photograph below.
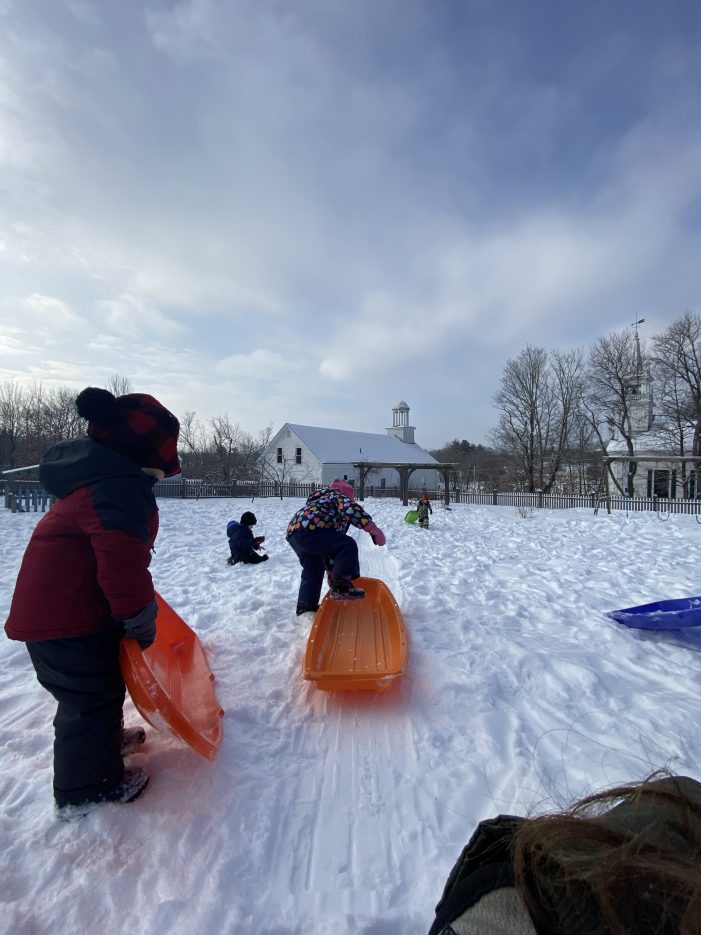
(494, 498)
(654, 502)
(540, 499)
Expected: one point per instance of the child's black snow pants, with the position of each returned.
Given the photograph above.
(84, 676)
(312, 549)
(248, 556)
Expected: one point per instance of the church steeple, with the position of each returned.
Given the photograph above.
(400, 427)
(638, 390)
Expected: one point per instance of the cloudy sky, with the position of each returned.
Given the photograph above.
(307, 210)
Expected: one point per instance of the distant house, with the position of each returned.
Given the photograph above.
(310, 454)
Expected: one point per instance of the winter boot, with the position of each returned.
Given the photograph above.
(343, 590)
(132, 737)
(231, 560)
(304, 608)
(133, 783)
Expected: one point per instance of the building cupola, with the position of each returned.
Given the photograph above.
(400, 427)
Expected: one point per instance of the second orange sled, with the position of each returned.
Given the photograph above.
(355, 645)
(170, 683)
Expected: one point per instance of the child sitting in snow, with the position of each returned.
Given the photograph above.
(423, 508)
(245, 547)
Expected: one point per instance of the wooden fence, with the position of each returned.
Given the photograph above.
(251, 489)
(29, 496)
(25, 496)
(565, 501)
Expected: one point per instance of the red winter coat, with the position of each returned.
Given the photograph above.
(87, 560)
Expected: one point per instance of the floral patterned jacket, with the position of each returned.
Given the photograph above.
(328, 509)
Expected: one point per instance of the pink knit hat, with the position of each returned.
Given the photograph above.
(343, 487)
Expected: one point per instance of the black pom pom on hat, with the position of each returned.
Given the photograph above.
(97, 405)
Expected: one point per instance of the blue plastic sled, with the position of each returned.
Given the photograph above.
(662, 615)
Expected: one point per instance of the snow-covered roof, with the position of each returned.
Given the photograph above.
(338, 446)
(401, 405)
(654, 441)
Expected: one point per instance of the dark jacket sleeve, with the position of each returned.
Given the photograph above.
(121, 541)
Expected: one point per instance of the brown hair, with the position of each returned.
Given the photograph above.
(626, 861)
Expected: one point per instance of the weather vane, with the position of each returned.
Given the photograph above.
(635, 325)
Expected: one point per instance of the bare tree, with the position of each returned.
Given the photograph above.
(478, 467)
(613, 373)
(537, 400)
(584, 457)
(676, 358)
(223, 448)
(567, 368)
(61, 417)
(11, 408)
(193, 445)
(32, 419)
(119, 385)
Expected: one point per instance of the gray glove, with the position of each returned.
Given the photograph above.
(142, 626)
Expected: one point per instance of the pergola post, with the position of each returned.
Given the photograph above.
(363, 473)
(446, 481)
(404, 485)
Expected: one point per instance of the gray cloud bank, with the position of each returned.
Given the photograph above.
(307, 211)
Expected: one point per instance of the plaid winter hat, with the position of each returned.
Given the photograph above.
(135, 425)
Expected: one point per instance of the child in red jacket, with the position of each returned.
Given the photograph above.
(91, 553)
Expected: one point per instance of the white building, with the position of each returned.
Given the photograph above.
(309, 454)
(654, 475)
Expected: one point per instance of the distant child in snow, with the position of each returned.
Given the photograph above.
(245, 547)
(317, 533)
(423, 508)
(84, 583)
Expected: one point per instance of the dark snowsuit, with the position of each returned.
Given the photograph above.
(84, 571)
(423, 508)
(242, 544)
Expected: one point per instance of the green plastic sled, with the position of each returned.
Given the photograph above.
(411, 517)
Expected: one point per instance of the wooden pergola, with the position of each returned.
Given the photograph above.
(405, 471)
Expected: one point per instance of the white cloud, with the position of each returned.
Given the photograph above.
(260, 364)
(43, 310)
(184, 32)
(84, 11)
(133, 316)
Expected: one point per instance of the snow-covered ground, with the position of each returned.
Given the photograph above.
(343, 813)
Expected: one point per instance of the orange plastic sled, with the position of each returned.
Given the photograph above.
(357, 644)
(170, 683)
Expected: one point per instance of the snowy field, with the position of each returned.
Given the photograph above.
(341, 814)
